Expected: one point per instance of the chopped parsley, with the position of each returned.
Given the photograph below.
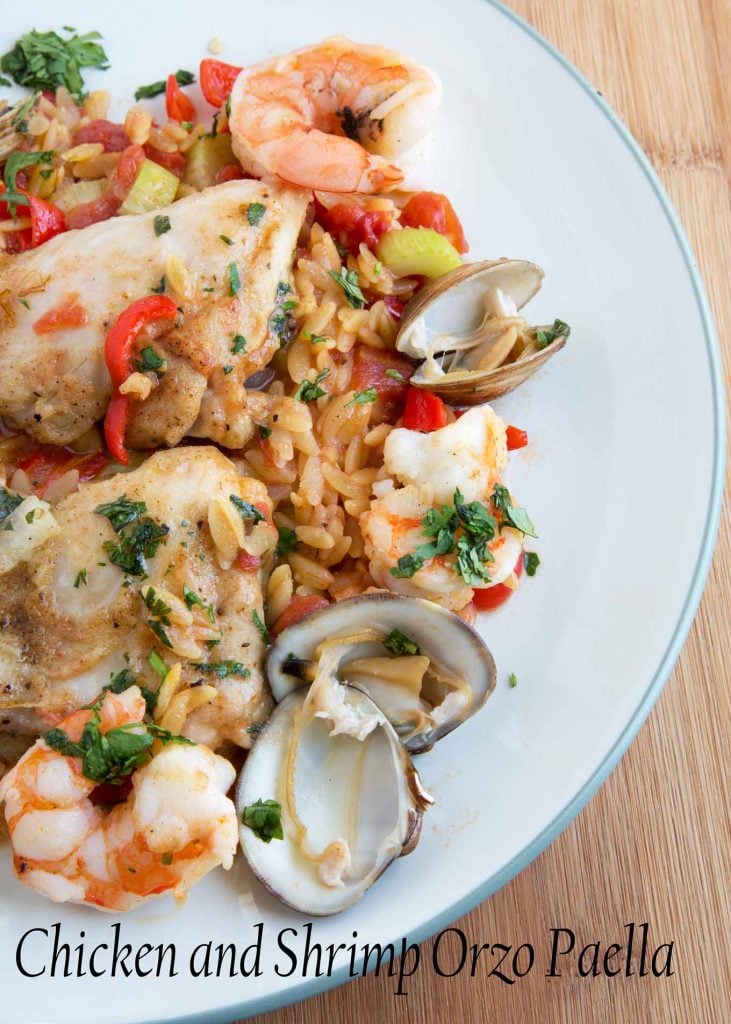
(282, 322)
(159, 615)
(349, 282)
(245, 509)
(148, 92)
(222, 669)
(264, 818)
(8, 503)
(160, 287)
(531, 561)
(44, 60)
(308, 390)
(260, 626)
(81, 580)
(113, 755)
(363, 397)
(264, 432)
(226, 239)
(558, 330)
(287, 540)
(139, 535)
(192, 600)
(234, 280)
(255, 728)
(316, 339)
(238, 345)
(150, 361)
(167, 858)
(30, 516)
(227, 370)
(512, 680)
(157, 665)
(514, 515)
(161, 224)
(398, 643)
(255, 212)
(18, 161)
(395, 375)
(123, 680)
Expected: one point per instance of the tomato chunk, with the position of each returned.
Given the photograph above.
(394, 306)
(350, 224)
(386, 371)
(178, 106)
(433, 210)
(173, 162)
(217, 80)
(516, 438)
(69, 313)
(112, 136)
(246, 562)
(297, 609)
(424, 411)
(488, 598)
(231, 172)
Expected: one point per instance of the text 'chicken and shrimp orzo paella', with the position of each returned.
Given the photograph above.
(253, 492)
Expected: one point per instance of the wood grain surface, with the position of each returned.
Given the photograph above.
(654, 844)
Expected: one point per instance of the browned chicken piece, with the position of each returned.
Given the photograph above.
(226, 261)
(131, 573)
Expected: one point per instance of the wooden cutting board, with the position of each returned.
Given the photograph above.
(655, 844)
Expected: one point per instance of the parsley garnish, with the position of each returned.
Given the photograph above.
(234, 281)
(227, 370)
(139, 535)
(159, 615)
(8, 503)
(43, 60)
(124, 679)
(160, 287)
(246, 510)
(192, 600)
(260, 626)
(363, 397)
(18, 161)
(224, 668)
(349, 282)
(282, 322)
(395, 375)
(287, 540)
(264, 432)
(308, 390)
(157, 665)
(161, 224)
(513, 514)
(150, 361)
(30, 516)
(238, 345)
(316, 339)
(558, 330)
(512, 680)
(21, 114)
(531, 561)
(255, 212)
(148, 92)
(264, 818)
(226, 239)
(398, 643)
(81, 580)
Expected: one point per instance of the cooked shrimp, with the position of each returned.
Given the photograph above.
(338, 116)
(468, 455)
(175, 825)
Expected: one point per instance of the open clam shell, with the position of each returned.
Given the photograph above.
(351, 801)
(443, 674)
(466, 328)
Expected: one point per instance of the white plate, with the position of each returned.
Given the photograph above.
(622, 478)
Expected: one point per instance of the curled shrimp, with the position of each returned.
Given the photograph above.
(175, 825)
(338, 116)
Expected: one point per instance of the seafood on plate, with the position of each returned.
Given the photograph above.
(173, 825)
(339, 116)
(252, 498)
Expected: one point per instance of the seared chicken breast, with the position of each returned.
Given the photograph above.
(139, 573)
(225, 260)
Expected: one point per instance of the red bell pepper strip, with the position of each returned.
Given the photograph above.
(118, 352)
(516, 438)
(45, 218)
(297, 609)
(433, 210)
(177, 104)
(217, 80)
(424, 411)
(486, 599)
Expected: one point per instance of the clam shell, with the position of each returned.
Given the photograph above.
(453, 303)
(453, 643)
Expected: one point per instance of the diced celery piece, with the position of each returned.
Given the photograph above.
(153, 188)
(69, 196)
(206, 158)
(421, 251)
